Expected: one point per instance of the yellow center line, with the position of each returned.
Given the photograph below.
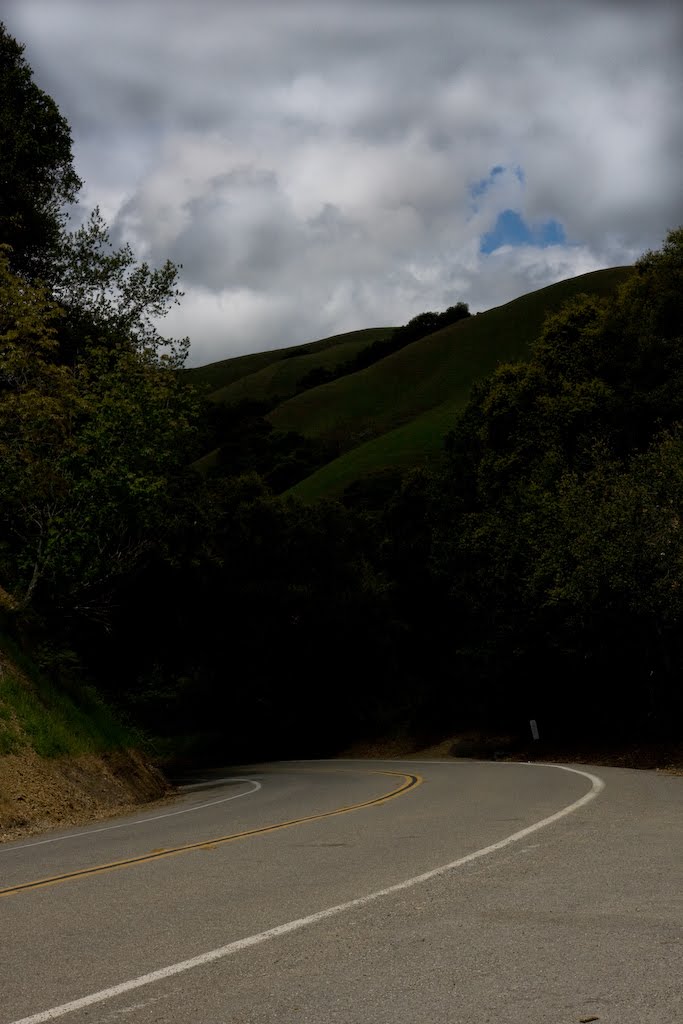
(410, 782)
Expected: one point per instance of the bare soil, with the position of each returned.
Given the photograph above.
(38, 794)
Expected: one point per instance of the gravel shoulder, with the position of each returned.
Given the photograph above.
(39, 794)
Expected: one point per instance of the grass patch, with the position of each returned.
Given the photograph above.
(52, 721)
(9, 735)
(417, 443)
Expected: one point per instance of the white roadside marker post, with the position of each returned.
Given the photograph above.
(534, 728)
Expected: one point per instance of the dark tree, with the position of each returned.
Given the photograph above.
(37, 177)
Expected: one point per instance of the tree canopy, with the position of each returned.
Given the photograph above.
(96, 426)
(37, 177)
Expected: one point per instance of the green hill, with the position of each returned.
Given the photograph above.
(393, 414)
(438, 368)
(263, 376)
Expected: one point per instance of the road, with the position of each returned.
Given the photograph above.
(358, 891)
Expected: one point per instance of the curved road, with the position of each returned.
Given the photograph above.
(370, 892)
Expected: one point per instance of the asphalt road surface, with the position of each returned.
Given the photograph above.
(361, 892)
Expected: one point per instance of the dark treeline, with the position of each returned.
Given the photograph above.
(535, 573)
(242, 440)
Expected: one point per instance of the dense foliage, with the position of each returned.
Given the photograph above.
(96, 428)
(559, 532)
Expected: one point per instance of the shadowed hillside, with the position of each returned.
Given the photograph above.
(261, 376)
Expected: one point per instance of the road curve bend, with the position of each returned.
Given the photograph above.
(358, 891)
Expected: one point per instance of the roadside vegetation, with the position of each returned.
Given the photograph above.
(53, 720)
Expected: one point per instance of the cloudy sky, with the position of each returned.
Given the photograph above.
(319, 166)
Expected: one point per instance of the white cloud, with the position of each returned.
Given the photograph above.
(311, 163)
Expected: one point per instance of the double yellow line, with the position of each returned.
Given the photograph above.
(410, 781)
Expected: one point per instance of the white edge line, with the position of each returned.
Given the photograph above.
(138, 821)
(597, 785)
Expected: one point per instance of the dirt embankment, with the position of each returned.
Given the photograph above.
(39, 793)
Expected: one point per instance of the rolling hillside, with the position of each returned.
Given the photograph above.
(263, 376)
(396, 417)
(393, 414)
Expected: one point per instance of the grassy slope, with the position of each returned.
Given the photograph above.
(412, 444)
(266, 376)
(35, 714)
(295, 361)
(280, 378)
(395, 413)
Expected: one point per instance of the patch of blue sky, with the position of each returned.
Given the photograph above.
(511, 229)
(484, 184)
(479, 188)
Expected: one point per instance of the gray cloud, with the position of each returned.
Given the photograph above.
(311, 164)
